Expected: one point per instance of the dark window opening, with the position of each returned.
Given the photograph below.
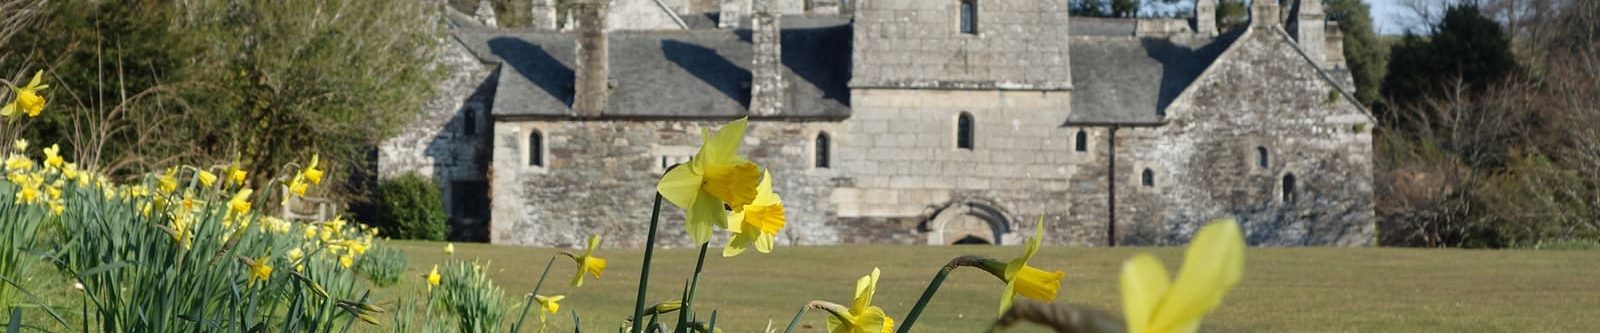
(535, 149)
(1083, 141)
(1148, 178)
(971, 240)
(469, 122)
(822, 150)
(1261, 157)
(964, 131)
(1288, 188)
(969, 17)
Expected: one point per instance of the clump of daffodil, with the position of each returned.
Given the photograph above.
(168, 181)
(1027, 280)
(310, 175)
(861, 316)
(715, 177)
(549, 303)
(207, 178)
(235, 174)
(588, 263)
(260, 270)
(756, 223)
(26, 99)
(1213, 264)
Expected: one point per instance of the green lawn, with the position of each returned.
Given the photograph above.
(1284, 290)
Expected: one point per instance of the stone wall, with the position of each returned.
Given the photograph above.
(1020, 44)
(599, 177)
(438, 145)
(1262, 93)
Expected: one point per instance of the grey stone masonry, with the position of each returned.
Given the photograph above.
(1018, 45)
(768, 91)
(1205, 17)
(544, 14)
(591, 86)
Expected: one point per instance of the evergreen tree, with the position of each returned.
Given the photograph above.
(1465, 46)
(1365, 55)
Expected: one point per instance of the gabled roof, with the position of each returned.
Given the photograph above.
(668, 74)
(1127, 80)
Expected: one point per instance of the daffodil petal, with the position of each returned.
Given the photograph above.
(734, 183)
(1008, 296)
(595, 266)
(707, 211)
(723, 146)
(1212, 265)
(594, 244)
(680, 186)
(764, 242)
(1144, 280)
(9, 110)
(739, 243)
(865, 288)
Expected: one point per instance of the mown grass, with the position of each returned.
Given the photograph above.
(1284, 290)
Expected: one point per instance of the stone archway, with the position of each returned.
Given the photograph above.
(969, 223)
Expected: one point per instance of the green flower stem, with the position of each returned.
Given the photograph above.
(644, 272)
(694, 284)
(529, 299)
(796, 321)
(994, 267)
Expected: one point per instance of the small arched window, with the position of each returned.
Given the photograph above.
(964, 131)
(1148, 178)
(1288, 188)
(1261, 157)
(536, 149)
(1083, 141)
(822, 150)
(469, 121)
(969, 17)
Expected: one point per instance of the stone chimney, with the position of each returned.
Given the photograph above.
(1264, 13)
(1308, 26)
(1334, 46)
(768, 91)
(544, 14)
(732, 12)
(485, 14)
(592, 85)
(1205, 17)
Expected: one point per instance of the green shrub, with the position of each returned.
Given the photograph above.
(383, 265)
(410, 207)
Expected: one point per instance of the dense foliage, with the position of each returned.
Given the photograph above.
(145, 83)
(410, 207)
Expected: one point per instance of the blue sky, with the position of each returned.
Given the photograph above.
(1389, 17)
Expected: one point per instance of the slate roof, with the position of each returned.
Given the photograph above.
(669, 74)
(1132, 80)
(1098, 26)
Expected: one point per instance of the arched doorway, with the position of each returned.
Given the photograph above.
(968, 223)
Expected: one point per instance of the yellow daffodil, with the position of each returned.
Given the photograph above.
(1027, 280)
(20, 145)
(862, 317)
(347, 260)
(207, 178)
(716, 176)
(70, 171)
(17, 162)
(588, 263)
(239, 205)
(548, 303)
(450, 249)
(28, 194)
(1212, 265)
(295, 254)
(298, 186)
(236, 176)
(56, 207)
(432, 277)
(168, 181)
(312, 173)
(259, 269)
(27, 98)
(758, 222)
(309, 232)
(52, 156)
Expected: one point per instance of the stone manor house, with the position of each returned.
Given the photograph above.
(901, 121)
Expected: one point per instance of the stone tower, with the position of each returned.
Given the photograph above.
(592, 77)
(767, 89)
